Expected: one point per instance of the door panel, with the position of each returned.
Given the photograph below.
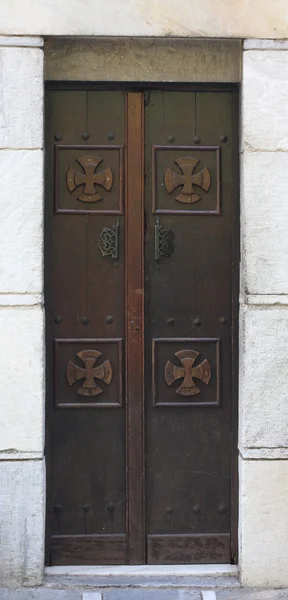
(188, 320)
(85, 329)
(141, 269)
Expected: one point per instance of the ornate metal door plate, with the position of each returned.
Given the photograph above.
(164, 242)
(109, 241)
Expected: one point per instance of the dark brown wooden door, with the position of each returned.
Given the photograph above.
(141, 304)
(190, 206)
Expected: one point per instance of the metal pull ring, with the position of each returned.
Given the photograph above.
(109, 241)
(164, 242)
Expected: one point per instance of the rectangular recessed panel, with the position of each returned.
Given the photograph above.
(88, 549)
(88, 373)
(188, 549)
(186, 372)
(88, 179)
(186, 179)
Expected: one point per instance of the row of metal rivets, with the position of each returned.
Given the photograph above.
(85, 136)
(222, 508)
(109, 320)
(84, 320)
(197, 322)
(197, 508)
(110, 136)
(58, 508)
(196, 139)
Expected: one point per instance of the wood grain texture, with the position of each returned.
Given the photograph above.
(206, 548)
(188, 306)
(135, 327)
(97, 549)
(86, 454)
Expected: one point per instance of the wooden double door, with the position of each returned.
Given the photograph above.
(141, 303)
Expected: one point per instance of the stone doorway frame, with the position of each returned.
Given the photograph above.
(263, 414)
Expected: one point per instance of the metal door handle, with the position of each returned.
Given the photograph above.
(109, 241)
(164, 242)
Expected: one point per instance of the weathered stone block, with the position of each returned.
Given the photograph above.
(21, 98)
(257, 44)
(21, 41)
(21, 380)
(263, 392)
(264, 99)
(22, 512)
(21, 223)
(263, 523)
(264, 216)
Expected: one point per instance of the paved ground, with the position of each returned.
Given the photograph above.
(51, 592)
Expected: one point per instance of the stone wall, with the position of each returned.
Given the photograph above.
(263, 370)
(22, 478)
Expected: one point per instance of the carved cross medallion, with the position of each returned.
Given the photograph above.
(89, 373)
(187, 180)
(89, 178)
(187, 372)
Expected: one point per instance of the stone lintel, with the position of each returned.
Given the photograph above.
(145, 59)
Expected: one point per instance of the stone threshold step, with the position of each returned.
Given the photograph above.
(142, 583)
(144, 577)
(147, 570)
